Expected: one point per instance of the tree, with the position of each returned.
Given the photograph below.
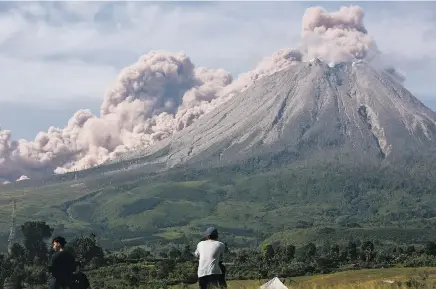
(309, 251)
(139, 253)
(174, 253)
(163, 268)
(324, 264)
(268, 252)
(352, 251)
(35, 233)
(18, 253)
(335, 251)
(35, 275)
(289, 253)
(15, 276)
(87, 250)
(367, 251)
(187, 254)
(185, 272)
(132, 280)
(226, 248)
(12, 283)
(383, 257)
(410, 250)
(398, 250)
(430, 248)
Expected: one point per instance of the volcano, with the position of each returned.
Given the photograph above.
(348, 100)
(309, 108)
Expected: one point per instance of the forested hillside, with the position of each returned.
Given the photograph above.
(335, 199)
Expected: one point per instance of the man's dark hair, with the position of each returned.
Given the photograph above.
(60, 240)
(214, 236)
(211, 233)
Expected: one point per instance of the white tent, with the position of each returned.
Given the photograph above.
(274, 283)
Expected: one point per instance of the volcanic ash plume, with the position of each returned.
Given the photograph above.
(164, 92)
(336, 36)
(140, 109)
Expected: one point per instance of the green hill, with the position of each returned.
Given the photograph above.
(305, 202)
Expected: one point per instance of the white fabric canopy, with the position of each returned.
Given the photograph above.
(274, 283)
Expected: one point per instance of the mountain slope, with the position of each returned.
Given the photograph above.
(306, 109)
(247, 208)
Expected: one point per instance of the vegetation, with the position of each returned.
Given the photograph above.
(287, 221)
(401, 278)
(336, 200)
(26, 265)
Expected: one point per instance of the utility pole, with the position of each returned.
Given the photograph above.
(11, 240)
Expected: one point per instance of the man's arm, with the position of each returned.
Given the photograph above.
(223, 249)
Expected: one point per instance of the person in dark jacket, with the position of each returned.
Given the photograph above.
(62, 266)
(80, 281)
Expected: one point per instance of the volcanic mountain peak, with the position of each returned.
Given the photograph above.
(308, 108)
(296, 104)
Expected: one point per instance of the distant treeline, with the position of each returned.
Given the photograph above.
(26, 264)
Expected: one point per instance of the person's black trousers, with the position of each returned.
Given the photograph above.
(210, 281)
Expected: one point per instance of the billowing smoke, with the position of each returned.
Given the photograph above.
(164, 92)
(395, 73)
(336, 36)
(148, 102)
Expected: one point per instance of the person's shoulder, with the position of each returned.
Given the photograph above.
(66, 253)
(219, 244)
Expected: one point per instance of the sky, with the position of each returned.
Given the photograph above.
(58, 57)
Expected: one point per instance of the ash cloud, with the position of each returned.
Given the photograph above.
(336, 36)
(163, 93)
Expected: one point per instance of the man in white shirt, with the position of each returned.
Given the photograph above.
(210, 253)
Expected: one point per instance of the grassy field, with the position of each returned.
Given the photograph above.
(360, 279)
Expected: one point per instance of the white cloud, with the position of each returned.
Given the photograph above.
(407, 35)
(46, 81)
(63, 50)
(410, 36)
(53, 56)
